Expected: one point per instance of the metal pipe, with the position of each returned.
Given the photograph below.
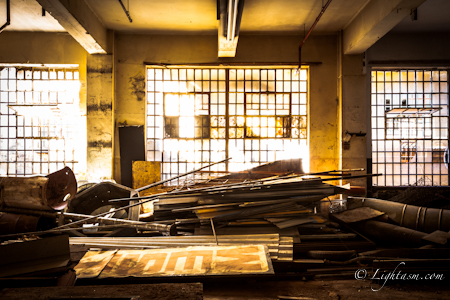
(310, 30)
(8, 16)
(125, 10)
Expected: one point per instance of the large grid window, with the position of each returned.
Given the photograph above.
(196, 116)
(410, 127)
(40, 121)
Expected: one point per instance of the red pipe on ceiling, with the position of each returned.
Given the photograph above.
(310, 30)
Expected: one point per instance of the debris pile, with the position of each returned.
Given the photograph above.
(287, 223)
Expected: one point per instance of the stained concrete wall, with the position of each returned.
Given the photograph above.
(131, 51)
(121, 92)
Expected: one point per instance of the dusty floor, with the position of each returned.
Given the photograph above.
(336, 290)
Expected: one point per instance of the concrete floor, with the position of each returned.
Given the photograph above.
(331, 289)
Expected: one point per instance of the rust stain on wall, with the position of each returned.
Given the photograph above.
(138, 86)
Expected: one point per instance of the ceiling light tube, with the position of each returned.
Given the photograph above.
(230, 19)
(235, 13)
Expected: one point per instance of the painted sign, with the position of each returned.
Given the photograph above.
(190, 261)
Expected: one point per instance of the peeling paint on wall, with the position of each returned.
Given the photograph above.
(138, 86)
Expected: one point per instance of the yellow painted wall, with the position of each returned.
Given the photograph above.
(131, 51)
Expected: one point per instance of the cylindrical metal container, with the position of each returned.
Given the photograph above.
(39, 192)
(414, 217)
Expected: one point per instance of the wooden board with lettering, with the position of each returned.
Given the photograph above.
(190, 261)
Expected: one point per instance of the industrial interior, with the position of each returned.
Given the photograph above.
(224, 149)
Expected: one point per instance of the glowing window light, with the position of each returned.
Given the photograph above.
(41, 104)
(257, 116)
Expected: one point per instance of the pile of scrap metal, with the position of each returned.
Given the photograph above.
(277, 214)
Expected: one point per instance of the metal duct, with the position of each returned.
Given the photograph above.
(414, 217)
(390, 233)
(39, 192)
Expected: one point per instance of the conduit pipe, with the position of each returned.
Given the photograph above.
(418, 218)
(8, 16)
(309, 32)
(126, 11)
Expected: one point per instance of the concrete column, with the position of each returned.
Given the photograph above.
(100, 116)
(354, 114)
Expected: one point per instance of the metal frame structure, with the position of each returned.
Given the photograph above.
(199, 114)
(410, 126)
(39, 120)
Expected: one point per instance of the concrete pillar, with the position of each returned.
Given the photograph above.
(352, 81)
(100, 116)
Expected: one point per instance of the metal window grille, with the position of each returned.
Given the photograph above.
(196, 116)
(39, 123)
(409, 117)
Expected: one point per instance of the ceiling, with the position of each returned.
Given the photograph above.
(362, 22)
(200, 16)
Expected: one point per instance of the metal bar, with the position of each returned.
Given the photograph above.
(126, 11)
(214, 231)
(181, 175)
(227, 64)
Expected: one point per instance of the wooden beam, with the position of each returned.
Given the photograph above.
(80, 22)
(376, 19)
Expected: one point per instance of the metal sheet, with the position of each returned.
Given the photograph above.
(93, 262)
(145, 173)
(190, 261)
(358, 214)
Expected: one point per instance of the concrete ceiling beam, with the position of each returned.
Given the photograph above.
(80, 22)
(230, 14)
(376, 19)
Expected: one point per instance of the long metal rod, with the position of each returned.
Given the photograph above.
(181, 175)
(125, 10)
(8, 16)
